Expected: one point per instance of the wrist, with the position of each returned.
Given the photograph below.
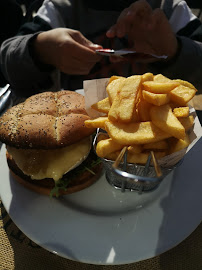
(171, 60)
(175, 55)
(35, 50)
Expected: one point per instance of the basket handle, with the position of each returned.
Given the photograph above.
(123, 154)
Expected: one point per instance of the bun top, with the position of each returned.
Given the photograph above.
(46, 120)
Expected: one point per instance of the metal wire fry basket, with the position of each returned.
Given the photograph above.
(132, 177)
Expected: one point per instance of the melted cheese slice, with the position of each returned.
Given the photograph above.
(39, 164)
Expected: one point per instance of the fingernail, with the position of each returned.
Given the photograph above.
(130, 14)
(110, 33)
(95, 45)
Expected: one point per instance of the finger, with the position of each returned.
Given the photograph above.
(82, 52)
(141, 19)
(120, 28)
(84, 47)
(111, 33)
(94, 47)
(133, 18)
(157, 18)
(87, 43)
(122, 24)
(79, 37)
(161, 25)
(129, 16)
(139, 12)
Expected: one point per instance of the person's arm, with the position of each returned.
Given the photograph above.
(187, 64)
(33, 61)
(20, 70)
(17, 64)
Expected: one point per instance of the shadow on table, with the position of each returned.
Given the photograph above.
(183, 202)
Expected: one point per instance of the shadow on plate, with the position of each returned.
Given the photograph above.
(183, 214)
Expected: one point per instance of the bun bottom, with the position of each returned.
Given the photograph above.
(45, 186)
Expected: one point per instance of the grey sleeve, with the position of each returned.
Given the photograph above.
(187, 65)
(18, 67)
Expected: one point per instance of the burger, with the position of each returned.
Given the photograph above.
(48, 145)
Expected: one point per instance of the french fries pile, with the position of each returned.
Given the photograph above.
(145, 113)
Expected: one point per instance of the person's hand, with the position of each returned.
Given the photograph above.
(148, 31)
(67, 50)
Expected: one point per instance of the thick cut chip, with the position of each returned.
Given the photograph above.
(135, 133)
(145, 113)
(156, 99)
(135, 116)
(147, 77)
(114, 110)
(143, 157)
(161, 145)
(185, 83)
(96, 123)
(115, 77)
(177, 145)
(140, 158)
(181, 112)
(102, 105)
(159, 87)
(182, 95)
(135, 148)
(144, 110)
(113, 87)
(161, 78)
(102, 136)
(164, 118)
(106, 147)
(187, 122)
(112, 156)
(123, 106)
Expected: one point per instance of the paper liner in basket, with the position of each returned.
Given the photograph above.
(95, 90)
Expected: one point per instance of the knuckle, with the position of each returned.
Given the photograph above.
(76, 34)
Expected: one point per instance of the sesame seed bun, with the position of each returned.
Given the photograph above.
(45, 121)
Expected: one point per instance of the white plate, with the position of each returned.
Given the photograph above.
(101, 225)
